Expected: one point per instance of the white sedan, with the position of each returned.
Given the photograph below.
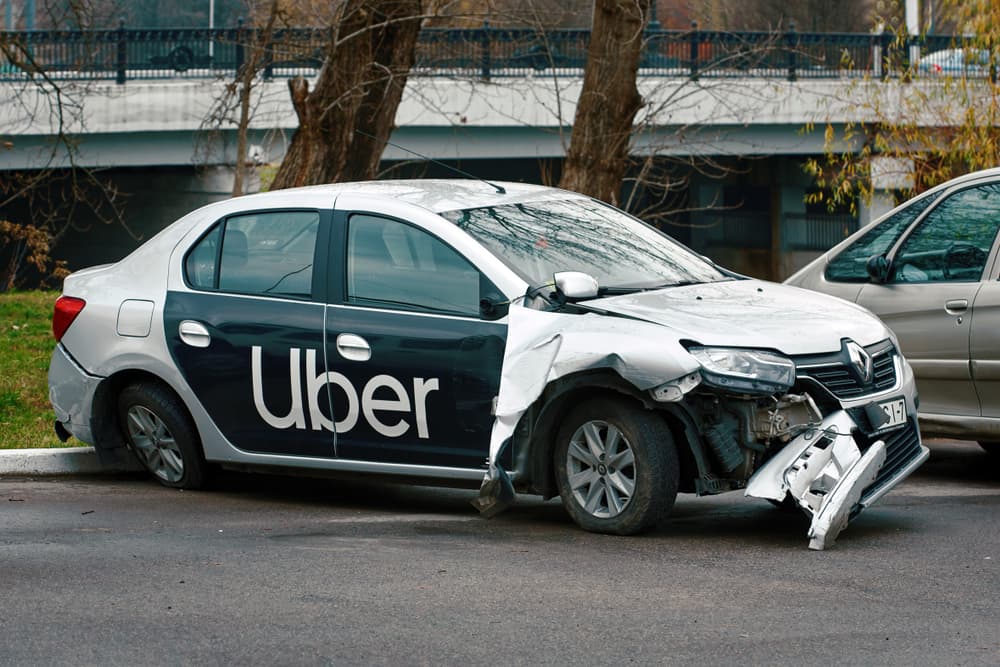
(523, 338)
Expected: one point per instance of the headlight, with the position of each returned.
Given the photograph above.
(745, 371)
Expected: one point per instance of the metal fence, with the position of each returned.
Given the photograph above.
(125, 54)
(728, 228)
(815, 231)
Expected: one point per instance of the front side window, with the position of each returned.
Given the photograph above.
(952, 243)
(268, 253)
(393, 264)
(850, 266)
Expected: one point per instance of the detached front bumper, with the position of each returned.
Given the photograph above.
(71, 392)
(832, 476)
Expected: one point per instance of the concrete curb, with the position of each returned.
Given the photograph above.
(68, 461)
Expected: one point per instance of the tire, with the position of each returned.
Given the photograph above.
(991, 448)
(161, 434)
(623, 465)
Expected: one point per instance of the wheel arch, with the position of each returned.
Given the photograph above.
(541, 422)
(108, 436)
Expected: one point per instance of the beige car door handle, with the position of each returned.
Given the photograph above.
(956, 306)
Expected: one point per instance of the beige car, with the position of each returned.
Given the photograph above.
(929, 269)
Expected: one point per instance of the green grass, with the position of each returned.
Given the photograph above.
(25, 348)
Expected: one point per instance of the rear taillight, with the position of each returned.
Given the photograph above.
(67, 308)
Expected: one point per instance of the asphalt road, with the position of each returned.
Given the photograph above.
(269, 570)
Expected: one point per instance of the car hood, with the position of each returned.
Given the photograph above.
(752, 314)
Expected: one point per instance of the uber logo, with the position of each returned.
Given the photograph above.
(367, 404)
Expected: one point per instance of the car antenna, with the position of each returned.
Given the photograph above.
(499, 188)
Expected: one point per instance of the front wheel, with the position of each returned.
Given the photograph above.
(162, 436)
(616, 467)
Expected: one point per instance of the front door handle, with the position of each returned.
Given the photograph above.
(194, 333)
(956, 306)
(353, 347)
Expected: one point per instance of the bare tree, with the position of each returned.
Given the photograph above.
(41, 202)
(609, 100)
(807, 15)
(345, 121)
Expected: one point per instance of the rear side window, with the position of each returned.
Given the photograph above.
(390, 263)
(202, 260)
(267, 253)
(850, 266)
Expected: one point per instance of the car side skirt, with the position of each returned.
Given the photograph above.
(313, 465)
(963, 427)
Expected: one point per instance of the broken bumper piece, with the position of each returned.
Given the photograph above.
(825, 473)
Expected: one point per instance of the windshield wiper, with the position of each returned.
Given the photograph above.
(615, 291)
(679, 283)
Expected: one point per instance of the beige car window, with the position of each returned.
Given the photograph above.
(952, 243)
(850, 266)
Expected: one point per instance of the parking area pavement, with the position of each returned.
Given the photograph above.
(264, 570)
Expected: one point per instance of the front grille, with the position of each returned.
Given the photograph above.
(902, 446)
(836, 373)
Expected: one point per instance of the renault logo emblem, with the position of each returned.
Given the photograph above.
(861, 360)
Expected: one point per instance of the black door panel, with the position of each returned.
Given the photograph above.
(424, 396)
(257, 379)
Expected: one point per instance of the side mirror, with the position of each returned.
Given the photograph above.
(493, 307)
(575, 285)
(878, 268)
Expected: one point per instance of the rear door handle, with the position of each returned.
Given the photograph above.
(353, 347)
(194, 333)
(956, 306)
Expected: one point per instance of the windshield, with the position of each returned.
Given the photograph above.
(538, 239)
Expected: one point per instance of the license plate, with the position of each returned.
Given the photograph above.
(895, 413)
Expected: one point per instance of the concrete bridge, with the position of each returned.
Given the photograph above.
(155, 134)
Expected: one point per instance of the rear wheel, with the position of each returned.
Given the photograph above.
(160, 432)
(616, 467)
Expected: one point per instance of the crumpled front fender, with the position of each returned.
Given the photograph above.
(545, 346)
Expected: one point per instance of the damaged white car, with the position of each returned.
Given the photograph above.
(524, 338)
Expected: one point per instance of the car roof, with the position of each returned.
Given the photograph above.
(435, 195)
(992, 172)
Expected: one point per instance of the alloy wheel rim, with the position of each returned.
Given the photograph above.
(154, 444)
(601, 469)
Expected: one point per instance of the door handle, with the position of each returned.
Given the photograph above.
(353, 347)
(194, 333)
(956, 306)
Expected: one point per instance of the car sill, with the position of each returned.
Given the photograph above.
(353, 465)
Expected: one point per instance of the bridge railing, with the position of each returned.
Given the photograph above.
(125, 54)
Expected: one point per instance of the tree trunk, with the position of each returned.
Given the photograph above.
(345, 121)
(598, 150)
(245, 81)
